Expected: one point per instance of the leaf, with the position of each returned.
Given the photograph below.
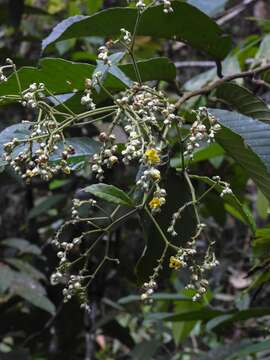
(32, 296)
(186, 23)
(19, 131)
(243, 101)
(94, 5)
(24, 246)
(229, 318)
(182, 329)
(113, 69)
(264, 50)
(203, 314)
(157, 297)
(262, 205)
(261, 243)
(231, 199)
(64, 77)
(246, 140)
(49, 203)
(210, 151)
(83, 146)
(236, 350)
(109, 193)
(26, 268)
(15, 355)
(6, 277)
(145, 350)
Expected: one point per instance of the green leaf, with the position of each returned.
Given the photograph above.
(83, 146)
(261, 243)
(49, 203)
(19, 131)
(35, 298)
(109, 193)
(15, 355)
(246, 140)
(24, 246)
(243, 212)
(26, 268)
(64, 77)
(145, 350)
(182, 329)
(243, 101)
(210, 151)
(6, 277)
(157, 297)
(94, 5)
(229, 318)
(236, 350)
(186, 23)
(262, 205)
(113, 69)
(203, 314)
(264, 50)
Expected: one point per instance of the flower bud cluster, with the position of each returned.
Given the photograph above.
(32, 95)
(148, 290)
(107, 156)
(140, 5)
(167, 6)
(204, 128)
(75, 213)
(10, 65)
(34, 159)
(226, 191)
(75, 287)
(87, 98)
(103, 54)
(126, 36)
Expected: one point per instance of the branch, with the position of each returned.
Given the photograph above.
(235, 11)
(207, 89)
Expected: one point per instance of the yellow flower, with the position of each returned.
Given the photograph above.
(152, 156)
(175, 263)
(155, 203)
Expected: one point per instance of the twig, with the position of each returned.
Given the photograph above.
(235, 11)
(207, 89)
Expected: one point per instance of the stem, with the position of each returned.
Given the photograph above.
(167, 242)
(193, 196)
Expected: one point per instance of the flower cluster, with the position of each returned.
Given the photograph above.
(159, 199)
(176, 263)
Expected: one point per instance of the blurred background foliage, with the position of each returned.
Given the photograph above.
(233, 319)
